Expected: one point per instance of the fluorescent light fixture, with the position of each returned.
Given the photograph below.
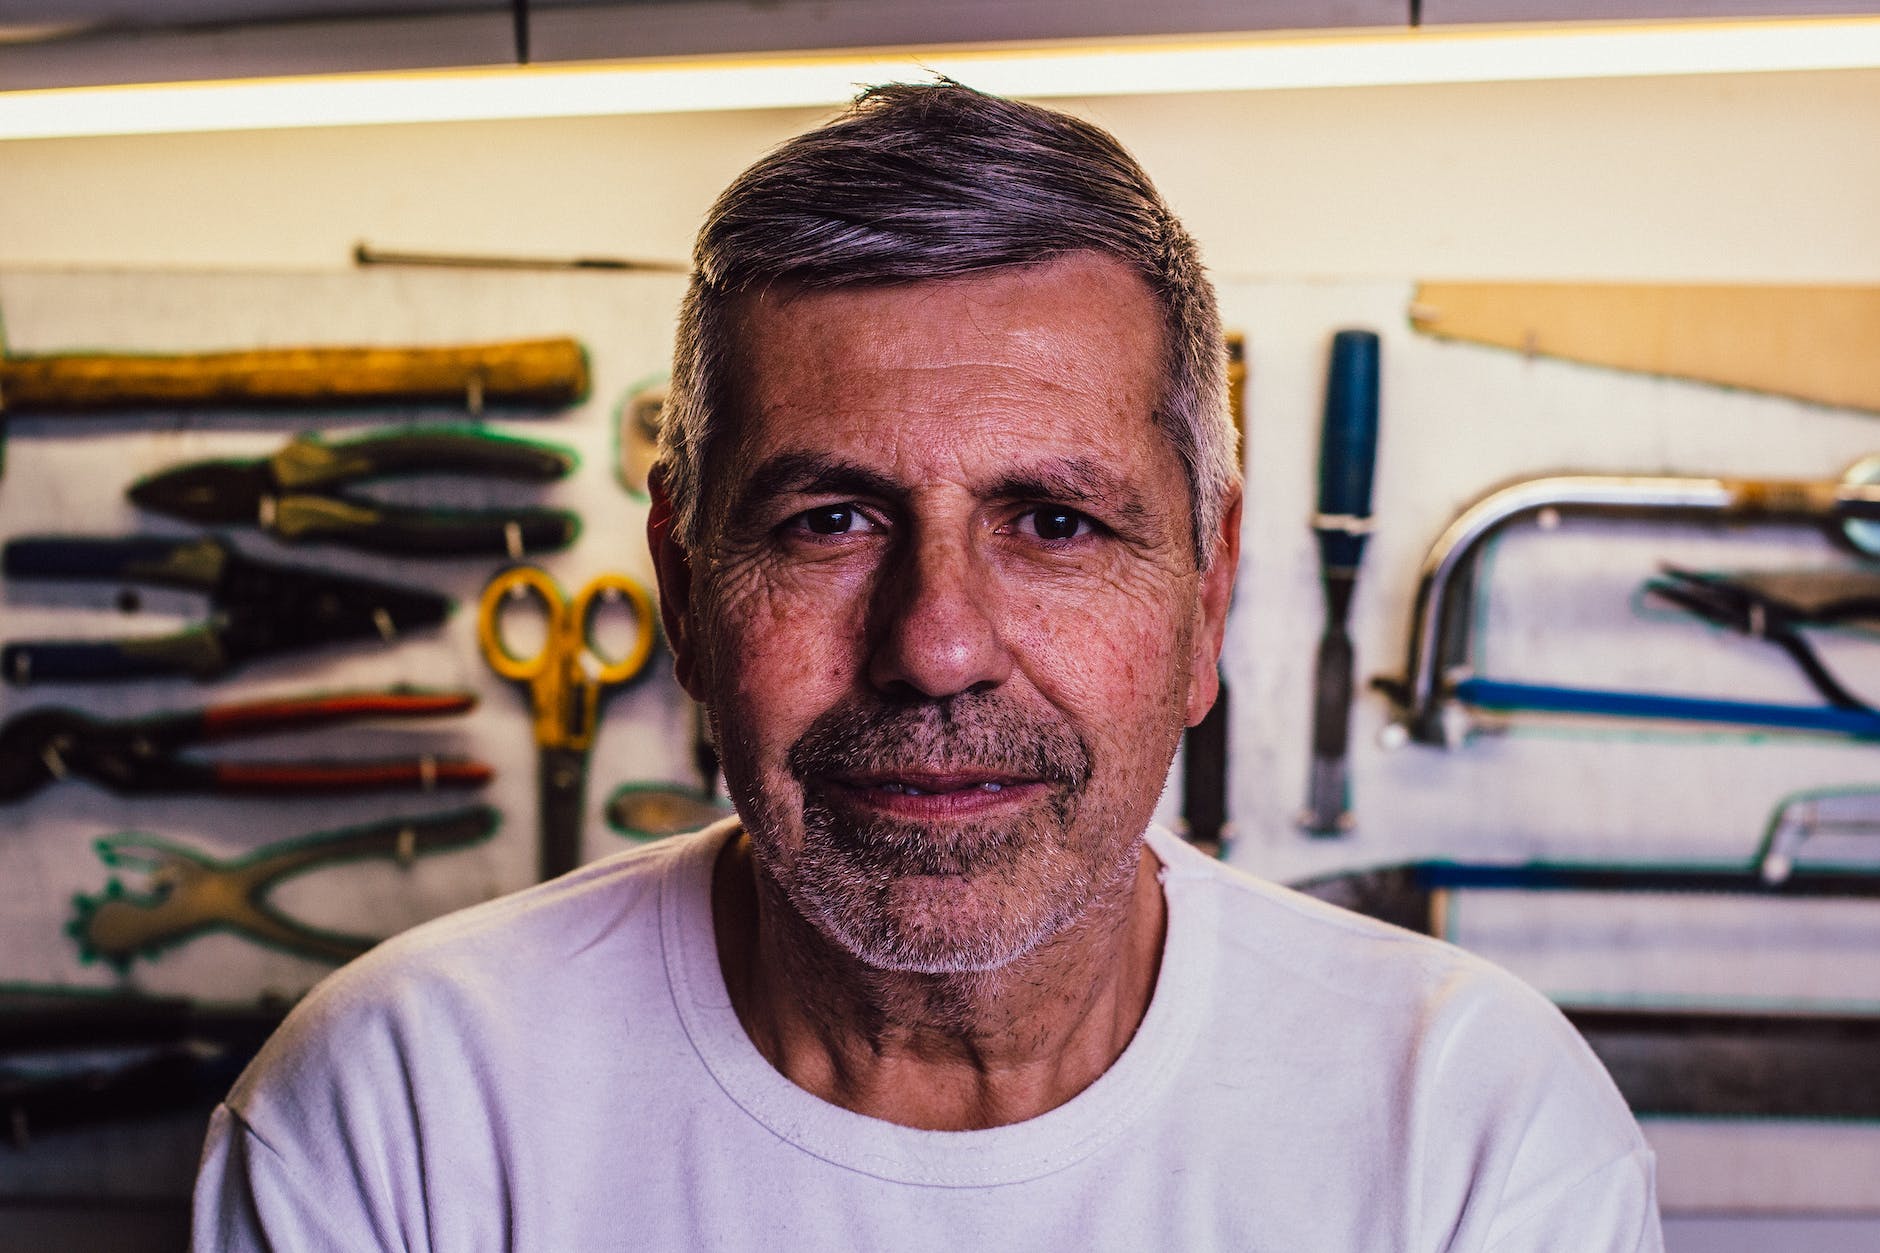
(1219, 65)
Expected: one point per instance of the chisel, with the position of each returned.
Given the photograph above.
(1347, 455)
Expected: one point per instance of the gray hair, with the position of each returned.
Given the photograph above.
(936, 180)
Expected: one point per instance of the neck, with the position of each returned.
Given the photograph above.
(942, 1052)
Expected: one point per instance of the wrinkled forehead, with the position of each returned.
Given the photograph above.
(1082, 334)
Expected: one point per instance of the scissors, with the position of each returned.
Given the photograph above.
(565, 679)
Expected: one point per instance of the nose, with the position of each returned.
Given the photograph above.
(935, 631)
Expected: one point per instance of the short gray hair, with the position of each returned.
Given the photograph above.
(918, 181)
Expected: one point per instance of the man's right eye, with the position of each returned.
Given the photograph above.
(830, 520)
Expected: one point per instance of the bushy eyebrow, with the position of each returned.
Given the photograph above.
(804, 473)
(1074, 481)
(1078, 481)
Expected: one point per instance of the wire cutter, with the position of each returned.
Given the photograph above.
(565, 679)
(297, 494)
(1776, 607)
(257, 608)
(141, 755)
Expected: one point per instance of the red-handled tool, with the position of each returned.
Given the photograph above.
(142, 755)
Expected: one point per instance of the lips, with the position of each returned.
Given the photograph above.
(921, 783)
(932, 794)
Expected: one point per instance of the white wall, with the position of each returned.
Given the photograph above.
(1768, 176)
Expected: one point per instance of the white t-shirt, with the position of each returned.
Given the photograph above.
(561, 1070)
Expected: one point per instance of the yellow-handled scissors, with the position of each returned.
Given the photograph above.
(565, 677)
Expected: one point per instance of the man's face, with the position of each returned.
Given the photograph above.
(946, 612)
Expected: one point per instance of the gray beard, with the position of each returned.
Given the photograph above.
(1023, 878)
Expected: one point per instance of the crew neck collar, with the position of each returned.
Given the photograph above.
(998, 1155)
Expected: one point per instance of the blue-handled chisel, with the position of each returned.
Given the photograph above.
(1347, 456)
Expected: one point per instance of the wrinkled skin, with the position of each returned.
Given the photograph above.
(946, 615)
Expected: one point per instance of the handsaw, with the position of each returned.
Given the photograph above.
(1816, 343)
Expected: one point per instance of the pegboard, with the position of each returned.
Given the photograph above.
(68, 474)
(1457, 420)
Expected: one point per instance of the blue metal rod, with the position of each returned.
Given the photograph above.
(1547, 698)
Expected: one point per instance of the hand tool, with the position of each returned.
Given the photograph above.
(547, 373)
(37, 1017)
(192, 893)
(1443, 616)
(1504, 694)
(1829, 812)
(365, 254)
(1204, 779)
(636, 435)
(73, 1057)
(1749, 605)
(565, 679)
(257, 608)
(1413, 894)
(1819, 343)
(296, 493)
(1677, 1062)
(93, 1087)
(135, 756)
(1347, 456)
(1205, 822)
(1670, 1061)
(653, 811)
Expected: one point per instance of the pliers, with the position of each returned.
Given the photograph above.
(297, 494)
(1776, 607)
(257, 608)
(141, 755)
(191, 892)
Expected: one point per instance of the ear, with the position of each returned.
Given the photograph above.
(672, 565)
(1214, 596)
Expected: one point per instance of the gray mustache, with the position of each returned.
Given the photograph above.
(970, 731)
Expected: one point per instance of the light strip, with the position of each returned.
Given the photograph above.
(1226, 64)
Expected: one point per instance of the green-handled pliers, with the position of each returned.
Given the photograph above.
(298, 493)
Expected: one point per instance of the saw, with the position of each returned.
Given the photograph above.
(1815, 343)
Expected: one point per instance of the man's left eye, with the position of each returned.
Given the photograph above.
(1055, 524)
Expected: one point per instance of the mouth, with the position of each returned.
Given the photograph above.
(915, 793)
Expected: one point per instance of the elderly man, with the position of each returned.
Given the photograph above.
(945, 527)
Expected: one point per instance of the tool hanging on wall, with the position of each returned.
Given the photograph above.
(1347, 457)
(1676, 1062)
(1415, 895)
(192, 893)
(525, 374)
(529, 373)
(566, 678)
(74, 1057)
(1819, 813)
(1776, 607)
(365, 254)
(1204, 822)
(1508, 696)
(297, 494)
(653, 811)
(1818, 344)
(135, 756)
(258, 608)
(1444, 617)
(636, 435)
